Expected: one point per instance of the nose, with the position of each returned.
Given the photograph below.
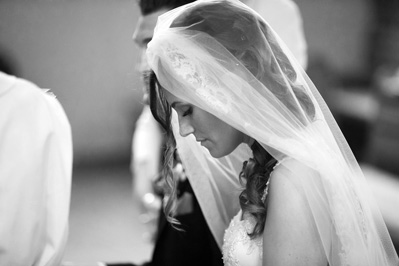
(185, 127)
(143, 65)
(137, 32)
(135, 37)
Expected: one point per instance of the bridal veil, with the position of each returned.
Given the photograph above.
(266, 94)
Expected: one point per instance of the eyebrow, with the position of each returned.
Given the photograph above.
(174, 104)
(146, 41)
(142, 43)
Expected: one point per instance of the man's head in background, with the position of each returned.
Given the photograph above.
(150, 10)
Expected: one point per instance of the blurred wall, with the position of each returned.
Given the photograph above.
(338, 31)
(83, 51)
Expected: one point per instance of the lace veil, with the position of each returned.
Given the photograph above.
(241, 72)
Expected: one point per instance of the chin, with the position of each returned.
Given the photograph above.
(219, 151)
(217, 154)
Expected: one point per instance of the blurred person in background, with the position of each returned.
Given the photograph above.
(196, 245)
(35, 174)
(200, 243)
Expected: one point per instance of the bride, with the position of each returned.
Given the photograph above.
(226, 79)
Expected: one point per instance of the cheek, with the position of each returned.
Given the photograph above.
(202, 121)
(227, 137)
(213, 125)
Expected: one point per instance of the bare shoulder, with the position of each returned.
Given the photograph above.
(286, 196)
(287, 179)
(290, 235)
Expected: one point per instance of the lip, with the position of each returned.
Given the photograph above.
(202, 141)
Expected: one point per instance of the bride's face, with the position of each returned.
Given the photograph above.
(217, 136)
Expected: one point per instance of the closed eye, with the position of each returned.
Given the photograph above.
(189, 111)
(183, 108)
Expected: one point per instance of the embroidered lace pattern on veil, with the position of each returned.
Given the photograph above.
(205, 87)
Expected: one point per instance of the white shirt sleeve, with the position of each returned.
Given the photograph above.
(35, 175)
(146, 148)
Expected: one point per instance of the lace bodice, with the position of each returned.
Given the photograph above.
(238, 248)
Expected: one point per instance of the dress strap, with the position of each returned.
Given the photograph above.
(266, 191)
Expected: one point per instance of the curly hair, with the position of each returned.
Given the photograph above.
(255, 174)
(162, 112)
(244, 35)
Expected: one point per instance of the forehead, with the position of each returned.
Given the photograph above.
(145, 27)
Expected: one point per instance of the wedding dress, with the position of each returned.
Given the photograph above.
(238, 248)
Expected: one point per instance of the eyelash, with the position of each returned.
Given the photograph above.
(188, 112)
